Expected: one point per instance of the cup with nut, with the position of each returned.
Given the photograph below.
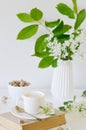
(17, 87)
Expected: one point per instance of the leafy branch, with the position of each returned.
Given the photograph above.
(68, 105)
(57, 31)
(48, 110)
(72, 105)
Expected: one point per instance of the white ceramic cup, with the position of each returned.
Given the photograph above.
(17, 92)
(32, 100)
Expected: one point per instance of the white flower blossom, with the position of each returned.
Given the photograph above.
(60, 50)
(49, 38)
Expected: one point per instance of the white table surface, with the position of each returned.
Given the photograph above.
(74, 120)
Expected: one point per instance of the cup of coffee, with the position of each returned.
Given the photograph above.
(32, 100)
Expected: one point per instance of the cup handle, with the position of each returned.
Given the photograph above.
(19, 102)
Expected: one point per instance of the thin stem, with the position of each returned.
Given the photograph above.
(45, 27)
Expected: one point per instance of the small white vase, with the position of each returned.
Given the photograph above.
(62, 82)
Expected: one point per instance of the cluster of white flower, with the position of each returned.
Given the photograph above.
(60, 50)
(81, 107)
(55, 48)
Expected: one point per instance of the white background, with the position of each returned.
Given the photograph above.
(16, 61)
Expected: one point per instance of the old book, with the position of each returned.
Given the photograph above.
(11, 122)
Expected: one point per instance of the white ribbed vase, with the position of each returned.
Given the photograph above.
(62, 82)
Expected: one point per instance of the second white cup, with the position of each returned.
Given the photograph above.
(32, 101)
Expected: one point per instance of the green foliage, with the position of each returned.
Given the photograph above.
(80, 18)
(63, 38)
(36, 14)
(58, 28)
(75, 7)
(68, 105)
(77, 33)
(57, 32)
(61, 29)
(47, 110)
(54, 63)
(77, 46)
(52, 24)
(27, 32)
(65, 10)
(62, 108)
(24, 17)
(42, 54)
(41, 43)
(70, 53)
(74, 106)
(84, 93)
(46, 62)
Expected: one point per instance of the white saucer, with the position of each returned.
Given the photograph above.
(27, 116)
(20, 114)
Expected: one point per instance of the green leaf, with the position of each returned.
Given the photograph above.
(77, 33)
(63, 30)
(54, 63)
(70, 53)
(75, 7)
(84, 93)
(58, 31)
(52, 23)
(36, 14)
(77, 47)
(80, 18)
(63, 38)
(27, 32)
(65, 10)
(42, 54)
(46, 62)
(24, 17)
(62, 108)
(68, 102)
(58, 28)
(41, 43)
